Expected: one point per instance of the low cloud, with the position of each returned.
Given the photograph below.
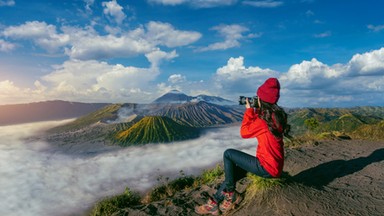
(311, 83)
(235, 77)
(37, 181)
(176, 78)
(99, 81)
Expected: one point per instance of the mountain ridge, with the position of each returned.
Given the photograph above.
(177, 97)
(45, 111)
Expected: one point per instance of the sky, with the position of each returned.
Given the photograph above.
(325, 53)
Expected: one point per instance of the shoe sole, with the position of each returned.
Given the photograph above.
(206, 213)
(233, 205)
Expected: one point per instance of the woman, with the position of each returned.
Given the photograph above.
(268, 124)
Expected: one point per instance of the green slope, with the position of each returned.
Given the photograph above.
(369, 132)
(154, 129)
(335, 119)
(345, 123)
(106, 113)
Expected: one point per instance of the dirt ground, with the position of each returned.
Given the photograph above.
(331, 178)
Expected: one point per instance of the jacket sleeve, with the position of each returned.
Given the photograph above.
(252, 125)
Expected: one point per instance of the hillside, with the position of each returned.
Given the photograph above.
(345, 120)
(45, 111)
(154, 129)
(102, 115)
(369, 132)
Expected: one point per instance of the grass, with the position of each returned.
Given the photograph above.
(209, 176)
(259, 184)
(112, 204)
(166, 189)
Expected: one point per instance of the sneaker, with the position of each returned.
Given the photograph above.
(231, 199)
(209, 208)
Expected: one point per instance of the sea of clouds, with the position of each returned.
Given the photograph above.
(38, 181)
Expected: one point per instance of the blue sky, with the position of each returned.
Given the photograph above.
(325, 53)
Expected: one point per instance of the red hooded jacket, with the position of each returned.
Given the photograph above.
(270, 150)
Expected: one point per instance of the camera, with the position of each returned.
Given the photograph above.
(253, 101)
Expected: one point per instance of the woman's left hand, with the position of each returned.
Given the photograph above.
(247, 105)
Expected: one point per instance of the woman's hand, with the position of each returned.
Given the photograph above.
(247, 105)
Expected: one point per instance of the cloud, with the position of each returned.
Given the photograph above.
(6, 46)
(10, 93)
(86, 43)
(367, 64)
(314, 83)
(37, 180)
(41, 33)
(323, 35)
(232, 35)
(264, 4)
(113, 9)
(92, 81)
(196, 3)
(236, 78)
(88, 4)
(99, 81)
(165, 34)
(303, 75)
(7, 3)
(376, 28)
(176, 78)
(305, 84)
(310, 83)
(157, 56)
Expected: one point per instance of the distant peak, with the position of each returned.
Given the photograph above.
(174, 91)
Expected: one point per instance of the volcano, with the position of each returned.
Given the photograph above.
(154, 129)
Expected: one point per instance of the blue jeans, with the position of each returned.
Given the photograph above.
(236, 166)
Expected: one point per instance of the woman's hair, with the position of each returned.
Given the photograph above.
(276, 119)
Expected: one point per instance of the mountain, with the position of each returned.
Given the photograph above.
(197, 114)
(215, 100)
(154, 129)
(177, 97)
(107, 113)
(173, 97)
(335, 119)
(45, 111)
(131, 124)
